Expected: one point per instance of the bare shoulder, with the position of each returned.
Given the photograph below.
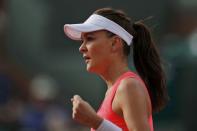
(132, 92)
(131, 86)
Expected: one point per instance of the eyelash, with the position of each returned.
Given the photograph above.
(88, 39)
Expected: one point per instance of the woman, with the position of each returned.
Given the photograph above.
(107, 36)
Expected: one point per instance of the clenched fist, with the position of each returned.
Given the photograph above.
(84, 113)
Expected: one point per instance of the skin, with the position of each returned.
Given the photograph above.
(106, 58)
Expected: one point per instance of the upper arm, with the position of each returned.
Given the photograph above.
(132, 99)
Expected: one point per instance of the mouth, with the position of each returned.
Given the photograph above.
(86, 58)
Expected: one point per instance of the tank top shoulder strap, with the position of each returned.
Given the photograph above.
(128, 74)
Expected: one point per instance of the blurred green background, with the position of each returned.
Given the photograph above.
(41, 69)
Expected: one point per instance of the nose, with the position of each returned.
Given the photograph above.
(82, 48)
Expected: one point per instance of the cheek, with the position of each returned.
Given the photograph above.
(101, 47)
(100, 50)
(100, 55)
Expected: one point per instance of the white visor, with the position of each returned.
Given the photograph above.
(94, 23)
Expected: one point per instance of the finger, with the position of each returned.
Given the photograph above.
(71, 99)
(74, 114)
(76, 97)
(74, 102)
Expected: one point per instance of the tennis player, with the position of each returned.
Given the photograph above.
(107, 37)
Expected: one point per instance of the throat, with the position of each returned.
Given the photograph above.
(112, 77)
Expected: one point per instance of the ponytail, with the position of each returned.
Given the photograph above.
(146, 57)
(148, 64)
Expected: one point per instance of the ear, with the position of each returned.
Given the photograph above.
(116, 43)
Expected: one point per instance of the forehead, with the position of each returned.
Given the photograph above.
(99, 32)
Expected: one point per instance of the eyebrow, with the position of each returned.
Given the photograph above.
(86, 34)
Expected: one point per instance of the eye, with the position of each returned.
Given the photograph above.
(90, 38)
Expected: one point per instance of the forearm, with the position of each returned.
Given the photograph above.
(108, 126)
(97, 122)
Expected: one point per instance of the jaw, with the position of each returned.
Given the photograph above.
(97, 69)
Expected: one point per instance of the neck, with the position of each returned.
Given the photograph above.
(110, 75)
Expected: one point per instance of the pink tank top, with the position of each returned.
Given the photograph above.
(105, 110)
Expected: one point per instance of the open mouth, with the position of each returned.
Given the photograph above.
(87, 59)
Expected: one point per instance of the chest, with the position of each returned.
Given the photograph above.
(110, 102)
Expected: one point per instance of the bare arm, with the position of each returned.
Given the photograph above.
(85, 114)
(133, 102)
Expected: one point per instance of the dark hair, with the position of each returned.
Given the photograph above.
(145, 54)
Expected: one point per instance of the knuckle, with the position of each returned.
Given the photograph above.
(76, 96)
(79, 104)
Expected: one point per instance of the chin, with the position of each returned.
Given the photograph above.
(90, 69)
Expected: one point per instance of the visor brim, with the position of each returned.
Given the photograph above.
(74, 31)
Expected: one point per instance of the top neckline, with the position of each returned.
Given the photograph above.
(121, 76)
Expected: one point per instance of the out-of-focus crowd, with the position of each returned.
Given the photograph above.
(28, 103)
